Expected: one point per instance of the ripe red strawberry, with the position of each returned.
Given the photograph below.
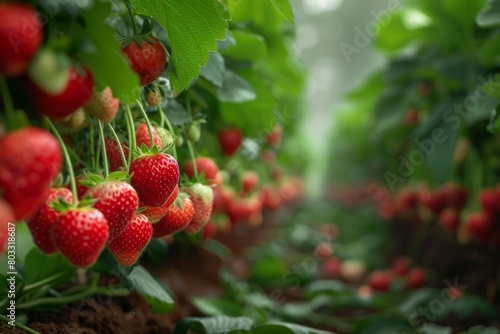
(208, 231)
(454, 293)
(103, 105)
(400, 266)
(39, 224)
(379, 281)
(153, 98)
(205, 166)
(412, 117)
(176, 218)
(80, 235)
(6, 217)
(230, 141)
(154, 176)
(450, 220)
(268, 157)
(30, 160)
(113, 154)
(202, 197)
(330, 268)
(435, 202)
(147, 57)
(323, 251)
(142, 136)
(270, 197)
(76, 94)
(117, 201)
(479, 226)
(276, 173)
(20, 37)
(488, 199)
(415, 278)
(249, 181)
(406, 200)
(274, 137)
(454, 195)
(128, 246)
(154, 214)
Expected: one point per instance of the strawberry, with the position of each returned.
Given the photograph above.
(379, 281)
(153, 98)
(205, 166)
(276, 173)
(193, 132)
(249, 181)
(113, 154)
(202, 197)
(268, 157)
(450, 220)
(412, 117)
(39, 224)
(154, 214)
(330, 268)
(80, 235)
(117, 201)
(208, 231)
(230, 141)
(400, 266)
(154, 176)
(30, 160)
(454, 195)
(128, 246)
(73, 122)
(166, 136)
(103, 105)
(142, 136)
(435, 202)
(81, 189)
(406, 200)
(488, 199)
(76, 94)
(323, 251)
(479, 226)
(176, 218)
(147, 57)
(415, 278)
(274, 137)
(6, 217)
(270, 197)
(21, 34)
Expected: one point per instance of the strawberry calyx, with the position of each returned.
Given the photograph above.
(95, 179)
(62, 206)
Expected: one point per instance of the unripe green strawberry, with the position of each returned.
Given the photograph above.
(73, 122)
(166, 136)
(179, 141)
(202, 197)
(128, 246)
(103, 105)
(193, 132)
(153, 99)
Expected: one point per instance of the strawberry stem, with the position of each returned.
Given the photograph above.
(131, 133)
(132, 17)
(165, 120)
(92, 148)
(150, 130)
(19, 325)
(67, 160)
(193, 157)
(103, 149)
(7, 102)
(120, 148)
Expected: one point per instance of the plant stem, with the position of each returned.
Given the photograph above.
(92, 148)
(150, 130)
(47, 280)
(120, 148)
(19, 325)
(7, 101)
(165, 120)
(132, 17)
(67, 160)
(57, 301)
(103, 148)
(193, 157)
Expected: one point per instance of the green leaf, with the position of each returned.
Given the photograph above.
(235, 89)
(108, 64)
(489, 16)
(193, 28)
(39, 266)
(249, 46)
(176, 113)
(267, 270)
(416, 299)
(489, 51)
(229, 41)
(214, 325)
(286, 328)
(214, 70)
(434, 329)
(284, 8)
(482, 330)
(395, 35)
(323, 286)
(141, 281)
(217, 306)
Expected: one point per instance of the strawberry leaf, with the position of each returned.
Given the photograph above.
(193, 28)
(284, 8)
